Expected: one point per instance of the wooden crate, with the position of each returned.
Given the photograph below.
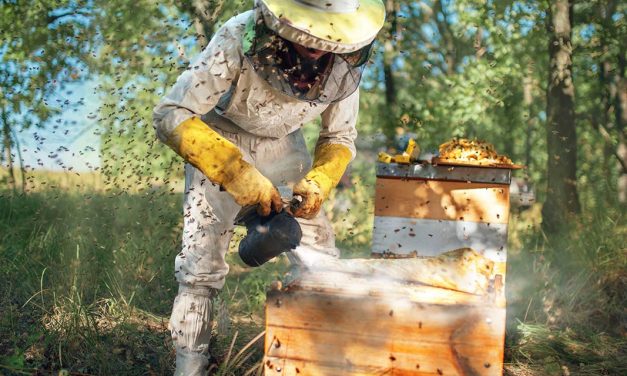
(326, 324)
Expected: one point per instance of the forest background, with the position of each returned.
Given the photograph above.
(87, 247)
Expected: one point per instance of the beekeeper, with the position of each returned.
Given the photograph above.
(235, 116)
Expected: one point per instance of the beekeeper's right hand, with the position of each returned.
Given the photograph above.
(222, 162)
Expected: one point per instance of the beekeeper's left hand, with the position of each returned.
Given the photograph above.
(330, 162)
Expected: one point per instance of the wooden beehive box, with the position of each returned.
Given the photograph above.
(425, 210)
(334, 324)
(338, 323)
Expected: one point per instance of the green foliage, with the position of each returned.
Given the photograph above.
(465, 78)
(41, 46)
(137, 73)
(246, 290)
(483, 74)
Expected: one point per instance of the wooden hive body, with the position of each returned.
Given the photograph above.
(425, 210)
(336, 323)
(361, 327)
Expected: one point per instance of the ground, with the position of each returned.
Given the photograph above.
(88, 286)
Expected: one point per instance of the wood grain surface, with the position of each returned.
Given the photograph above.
(444, 200)
(430, 237)
(320, 333)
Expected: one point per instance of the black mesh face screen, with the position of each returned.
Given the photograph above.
(328, 79)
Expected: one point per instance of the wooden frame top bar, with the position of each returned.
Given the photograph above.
(446, 173)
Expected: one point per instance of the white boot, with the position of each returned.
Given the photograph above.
(191, 363)
(190, 325)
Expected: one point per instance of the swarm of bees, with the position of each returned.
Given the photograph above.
(477, 151)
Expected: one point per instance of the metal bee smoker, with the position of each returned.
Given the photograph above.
(268, 237)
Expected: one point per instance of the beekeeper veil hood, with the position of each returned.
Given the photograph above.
(344, 29)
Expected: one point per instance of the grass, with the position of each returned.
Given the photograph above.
(88, 286)
(566, 306)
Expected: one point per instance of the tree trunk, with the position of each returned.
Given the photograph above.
(6, 137)
(605, 123)
(389, 53)
(507, 135)
(448, 39)
(621, 119)
(614, 102)
(390, 86)
(480, 50)
(21, 160)
(562, 201)
(620, 111)
(204, 17)
(528, 102)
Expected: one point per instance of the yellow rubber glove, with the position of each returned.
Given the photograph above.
(222, 163)
(330, 162)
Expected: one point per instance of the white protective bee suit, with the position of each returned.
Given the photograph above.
(226, 92)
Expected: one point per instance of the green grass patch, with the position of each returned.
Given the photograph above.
(88, 286)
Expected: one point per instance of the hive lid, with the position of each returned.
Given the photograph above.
(441, 161)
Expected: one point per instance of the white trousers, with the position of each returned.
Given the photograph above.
(200, 267)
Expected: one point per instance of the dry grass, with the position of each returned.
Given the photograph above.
(85, 182)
